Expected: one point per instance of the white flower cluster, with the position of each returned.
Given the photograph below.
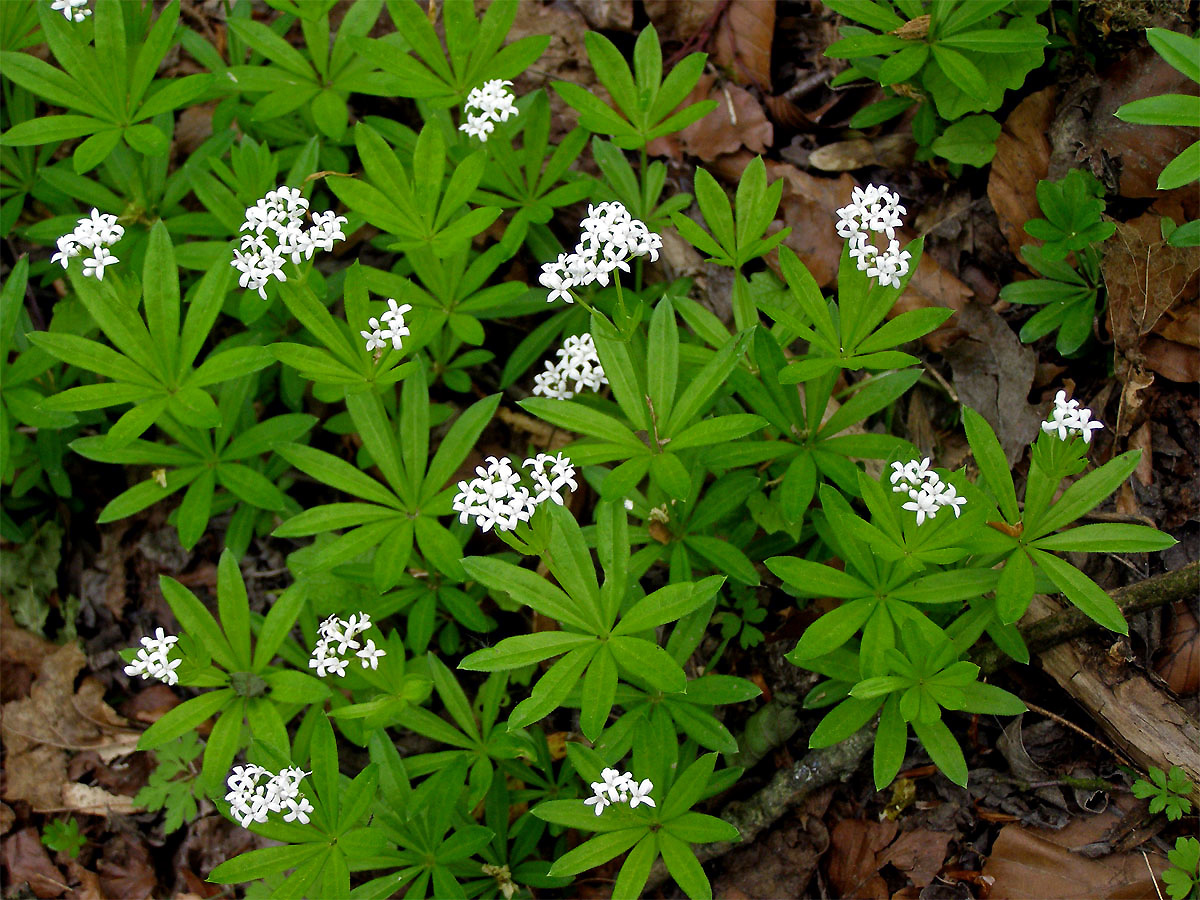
(609, 238)
(927, 493)
(281, 214)
(1069, 419)
(877, 210)
(153, 658)
(494, 104)
(393, 328)
(496, 497)
(72, 9)
(96, 233)
(337, 637)
(577, 364)
(250, 801)
(619, 787)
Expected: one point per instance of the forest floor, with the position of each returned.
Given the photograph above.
(1048, 812)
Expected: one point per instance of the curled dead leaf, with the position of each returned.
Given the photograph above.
(95, 801)
(844, 156)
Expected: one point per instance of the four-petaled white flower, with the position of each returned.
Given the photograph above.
(96, 232)
(279, 216)
(926, 491)
(609, 238)
(250, 801)
(72, 10)
(874, 210)
(153, 658)
(619, 787)
(492, 103)
(335, 638)
(578, 367)
(393, 328)
(495, 498)
(1069, 419)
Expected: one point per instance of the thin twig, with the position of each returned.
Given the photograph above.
(1153, 878)
(1066, 723)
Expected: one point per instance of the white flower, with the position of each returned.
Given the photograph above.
(640, 793)
(1069, 419)
(493, 104)
(250, 801)
(600, 799)
(926, 491)
(72, 10)
(335, 638)
(153, 658)
(495, 497)
(578, 363)
(376, 339)
(874, 210)
(280, 216)
(96, 232)
(619, 787)
(609, 238)
(370, 655)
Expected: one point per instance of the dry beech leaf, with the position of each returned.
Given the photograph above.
(853, 862)
(86, 798)
(738, 121)
(843, 156)
(1147, 279)
(1022, 159)
(609, 14)
(28, 863)
(1029, 863)
(742, 45)
(681, 20)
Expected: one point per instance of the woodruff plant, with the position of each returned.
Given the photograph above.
(456, 588)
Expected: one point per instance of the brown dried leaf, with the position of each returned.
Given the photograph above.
(28, 863)
(126, 870)
(1022, 159)
(743, 41)
(681, 20)
(612, 14)
(808, 206)
(843, 156)
(86, 798)
(854, 860)
(993, 372)
(1147, 279)
(919, 854)
(1029, 863)
(1140, 152)
(738, 121)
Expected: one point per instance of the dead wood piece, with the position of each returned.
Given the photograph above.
(788, 788)
(1041, 634)
(1139, 717)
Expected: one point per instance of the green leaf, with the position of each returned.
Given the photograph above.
(668, 604)
(903, 65)
(197, 621)
(891, 742)
(684, 867)
(250, 486)
(1183, 169)
(1178, 50)
(970, 141)
(943, 749)
(275, 628)
(337, 473)
(636, 868)
(234, 607)
(649, 662)
(530, 589)
(963, 73)
(522, 650)
(183, 718)
(697, 828)
(598, 691)
(690, 785)
(1084, 593)
(1107, 538)
(598, 850)
(552, 688)
(815, 579)
(583, 420)
(265, 862)
(991, 40)
(1085, 494)
(1165, 109)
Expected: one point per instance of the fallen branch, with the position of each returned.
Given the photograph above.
(1068, 624)
(788, 788)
